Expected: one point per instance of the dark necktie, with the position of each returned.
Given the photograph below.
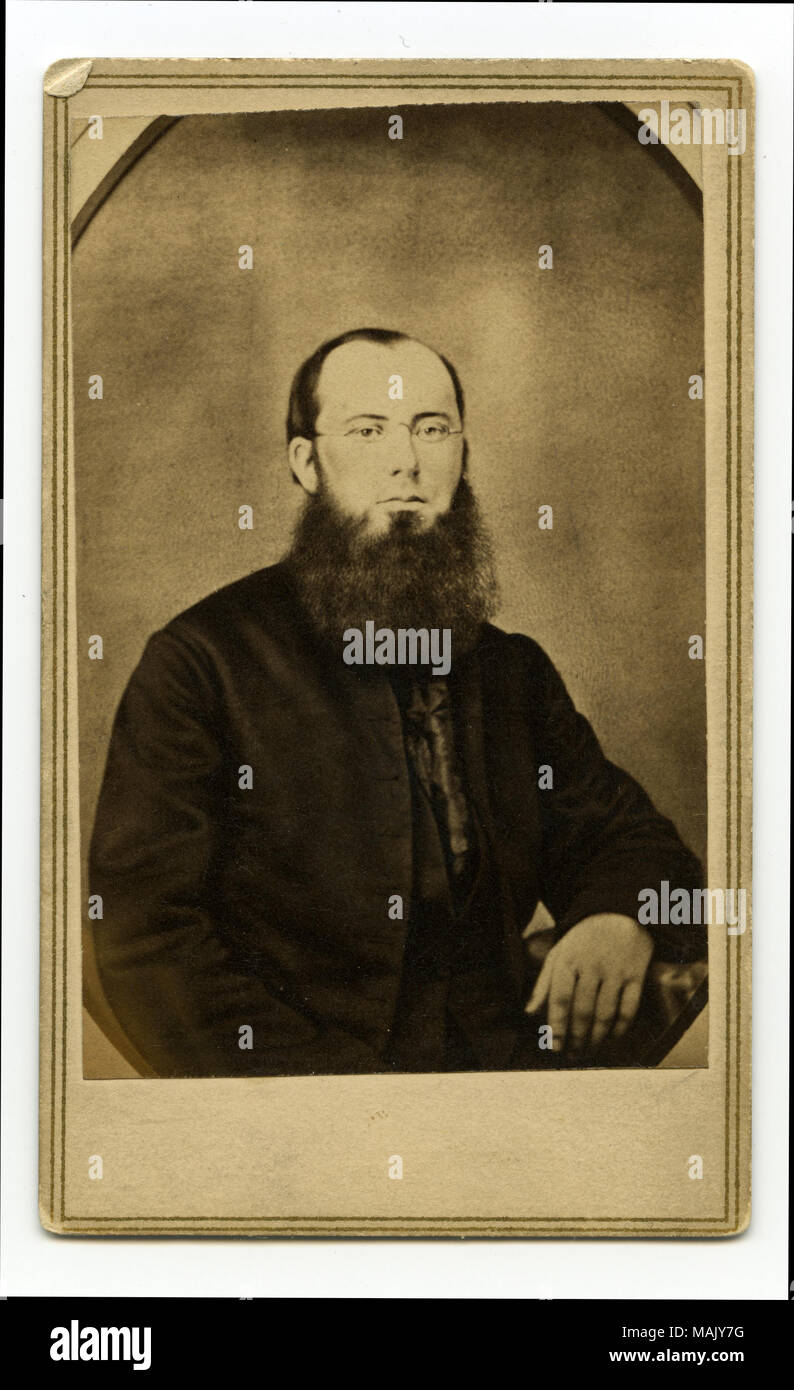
(431, 743)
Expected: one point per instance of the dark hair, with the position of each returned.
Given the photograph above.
(303, 404)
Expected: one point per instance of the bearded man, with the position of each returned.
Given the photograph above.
(311, 866)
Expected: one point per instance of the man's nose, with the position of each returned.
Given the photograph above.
(403, 453)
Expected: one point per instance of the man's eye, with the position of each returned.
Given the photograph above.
(367, 432)
(432, 431)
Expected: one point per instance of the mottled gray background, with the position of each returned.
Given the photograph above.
(576, 382)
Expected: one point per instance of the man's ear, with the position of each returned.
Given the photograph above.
(303, 463)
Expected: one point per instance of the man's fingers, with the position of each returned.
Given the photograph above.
(560, 996)
(580, 1018)
(541, 986)
(629, 1003)
(605, 1010)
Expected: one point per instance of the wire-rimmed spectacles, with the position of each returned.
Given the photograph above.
(428, 430)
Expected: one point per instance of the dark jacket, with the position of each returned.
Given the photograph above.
(226, 905)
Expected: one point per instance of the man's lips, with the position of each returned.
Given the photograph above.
(404, 501)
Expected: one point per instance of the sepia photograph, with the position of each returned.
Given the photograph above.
(394, 607)
(338, 789)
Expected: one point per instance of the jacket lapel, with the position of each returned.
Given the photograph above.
(472, 725)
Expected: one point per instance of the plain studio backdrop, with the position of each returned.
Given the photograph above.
(576, 381)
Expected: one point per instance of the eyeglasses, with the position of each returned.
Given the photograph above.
(370, 436)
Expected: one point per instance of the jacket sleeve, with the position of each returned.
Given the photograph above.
(166, 968)
(603, 840)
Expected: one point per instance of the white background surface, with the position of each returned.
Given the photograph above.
(34, 1262)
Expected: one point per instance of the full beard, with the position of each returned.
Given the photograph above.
(408, 577)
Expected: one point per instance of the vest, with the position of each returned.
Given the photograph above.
(455, 1007)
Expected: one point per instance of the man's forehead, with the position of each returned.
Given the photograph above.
(356, 378)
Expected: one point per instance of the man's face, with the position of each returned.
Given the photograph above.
(372, 463)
